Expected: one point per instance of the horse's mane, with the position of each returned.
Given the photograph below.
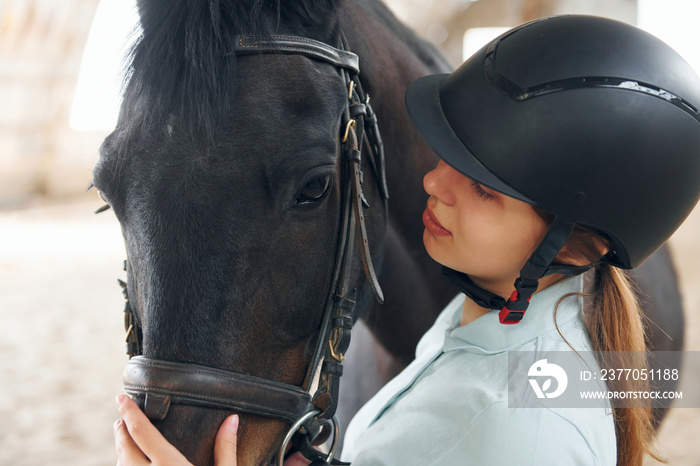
(424, 50)
(181, 68)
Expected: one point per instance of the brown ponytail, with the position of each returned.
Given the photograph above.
(615, 323)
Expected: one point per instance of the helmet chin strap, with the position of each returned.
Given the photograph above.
(539, 265)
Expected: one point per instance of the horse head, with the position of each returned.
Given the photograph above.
(235, 174)
(237, 196)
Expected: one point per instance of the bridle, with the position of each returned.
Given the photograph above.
(156, 384)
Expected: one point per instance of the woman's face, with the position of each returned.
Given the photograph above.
(478, 231)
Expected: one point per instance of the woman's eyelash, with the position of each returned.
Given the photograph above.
(481, 191)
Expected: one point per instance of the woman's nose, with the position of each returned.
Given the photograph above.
(438, 182)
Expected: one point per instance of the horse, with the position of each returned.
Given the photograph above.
(258, 218)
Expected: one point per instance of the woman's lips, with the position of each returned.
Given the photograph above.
(432, 225)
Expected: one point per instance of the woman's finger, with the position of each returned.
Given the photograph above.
(226, 442)
(148, 439)
(128, 453)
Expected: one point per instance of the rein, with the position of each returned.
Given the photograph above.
(156, 384)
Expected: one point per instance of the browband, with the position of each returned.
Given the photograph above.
(251, 44)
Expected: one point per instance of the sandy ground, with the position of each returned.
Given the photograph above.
(61, 336)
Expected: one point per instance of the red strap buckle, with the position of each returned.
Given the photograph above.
(510, 316)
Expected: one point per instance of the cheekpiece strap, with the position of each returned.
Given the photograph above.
(538, 266)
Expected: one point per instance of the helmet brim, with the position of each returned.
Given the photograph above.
(425, 110)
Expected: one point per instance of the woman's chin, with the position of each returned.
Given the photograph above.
(434, 249)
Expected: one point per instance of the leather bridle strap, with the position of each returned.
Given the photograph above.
(156, 384)
(255, 44)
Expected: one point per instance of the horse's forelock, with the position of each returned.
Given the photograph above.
(182, 63)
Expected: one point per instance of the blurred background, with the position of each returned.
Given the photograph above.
(61, 334)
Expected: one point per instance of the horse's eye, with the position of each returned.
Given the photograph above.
(314, 191)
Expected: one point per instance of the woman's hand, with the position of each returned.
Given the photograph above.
(138, 442)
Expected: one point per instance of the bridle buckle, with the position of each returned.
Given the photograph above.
(299, 428)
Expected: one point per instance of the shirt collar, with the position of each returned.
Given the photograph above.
(487, 335)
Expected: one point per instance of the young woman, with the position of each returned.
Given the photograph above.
(570, 151)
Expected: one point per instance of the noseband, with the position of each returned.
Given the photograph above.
(156, 384)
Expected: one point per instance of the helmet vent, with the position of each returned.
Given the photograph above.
(521, 94)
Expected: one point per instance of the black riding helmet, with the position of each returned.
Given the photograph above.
(592, 120)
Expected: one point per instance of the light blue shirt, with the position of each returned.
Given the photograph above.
(450, 405)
